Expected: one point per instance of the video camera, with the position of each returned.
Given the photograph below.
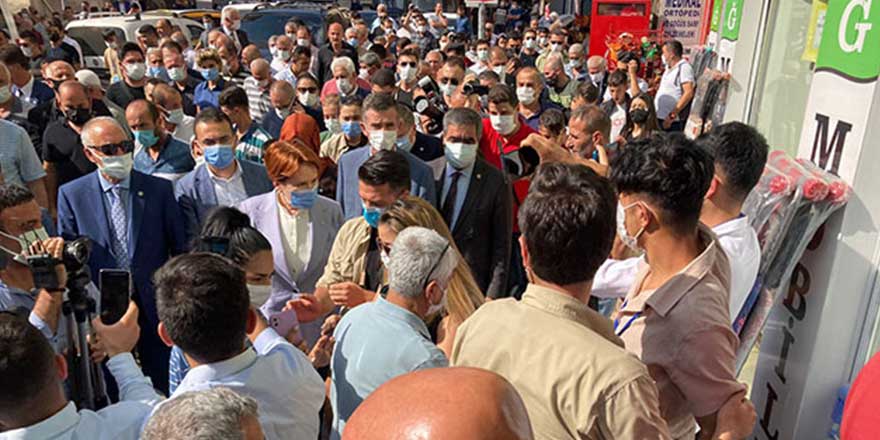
(431, 105)
(520, 163)
(74, 257)
(474, 88)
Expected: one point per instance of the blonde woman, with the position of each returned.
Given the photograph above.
(207, 92)
(463, 295)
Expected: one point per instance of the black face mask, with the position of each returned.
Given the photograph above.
(639, 115)
(78, 116)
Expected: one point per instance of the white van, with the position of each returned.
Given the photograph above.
(89, 33)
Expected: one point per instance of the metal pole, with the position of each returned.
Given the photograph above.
(481, 21)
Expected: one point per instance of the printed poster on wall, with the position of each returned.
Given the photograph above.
(682, 21)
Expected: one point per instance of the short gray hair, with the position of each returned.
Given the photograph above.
(86, 136)
(418, 256)
(343, 62)
(576, 48)
(370, 59)
(463, 116)
(216, 413)
(406, 115)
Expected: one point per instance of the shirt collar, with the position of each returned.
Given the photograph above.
(668, 295)
(404, 315)
(28, 87)
(235, 175)
(731, 226)
(107, 186)
(465, 172)
(222, 369)
(53, 427)
(557, 303)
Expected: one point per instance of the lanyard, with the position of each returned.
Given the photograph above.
(628, 323)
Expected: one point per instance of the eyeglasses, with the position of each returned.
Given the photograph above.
(452, 81)
(410, 64)
(434, 267)
(111, 149)
(307, 90)
(383, 246)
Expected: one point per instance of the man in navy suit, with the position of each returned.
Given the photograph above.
(380, 123)
(110, 207)
(222, 180)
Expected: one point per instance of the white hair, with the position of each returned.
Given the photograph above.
(576, 48)
(87, 134)
(345, 63)
(418, 256)
(596, 61)
(216, 413)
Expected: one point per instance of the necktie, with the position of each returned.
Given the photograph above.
(120, 228)
(448, 209)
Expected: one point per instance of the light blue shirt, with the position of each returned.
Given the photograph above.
(286, 75)
(121, 420)
(278, 376)
(172, 163)
(376, 342)
(464, 182)
(18, 158)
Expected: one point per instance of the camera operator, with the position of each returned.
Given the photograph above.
(22, 234)
(32, 398)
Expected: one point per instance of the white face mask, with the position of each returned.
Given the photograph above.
(282, 55)
(460, 155)
(631, 242)
(117, 167)
(503, 124)
(27, 51)
(175, 116)
(333, 125)
(526, 95)
(259, 294)
(344, 86)
(282, 113)
(136, 71)
(499, 70)
(386, 259)
(364, 74)
(555, 47)
(529, 43)
(447, 89)
(5, 93)
(407, 73)
(383, 139)
(597, 77)
(483, 55)
(421, 29)
(236, 25)
(177, 73)
(308, 99)
(302, 42)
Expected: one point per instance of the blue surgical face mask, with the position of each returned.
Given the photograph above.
(304, 199)
(155, 71)
(351, 129)
(353, 42)
(147, 138)
(219, 156)
(209, 74)
(403, 143)
(371, 215)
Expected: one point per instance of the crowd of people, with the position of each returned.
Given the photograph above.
(406, 228)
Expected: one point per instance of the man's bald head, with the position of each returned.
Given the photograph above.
(419, 405)
(281, 94)
(249, 54)
(59, 71)
(72, 90)
(260, 68)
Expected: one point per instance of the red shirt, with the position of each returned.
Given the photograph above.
(861, 420)
(490, 141)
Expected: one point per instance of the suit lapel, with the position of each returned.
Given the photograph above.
(204, 187)
(270, 215)
(99, 212)
(473, 194)
(250, 187)
(137, 199)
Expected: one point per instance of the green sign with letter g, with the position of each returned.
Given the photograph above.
(851, 39)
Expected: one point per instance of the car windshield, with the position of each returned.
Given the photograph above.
(261, 25)
(92, 40)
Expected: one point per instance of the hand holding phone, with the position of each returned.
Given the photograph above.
(284, 322)
(115, 294)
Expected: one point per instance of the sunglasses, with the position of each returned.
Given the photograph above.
(410, 64)
(307, 90)
(452, 81)
(111, 149)
(383, 246)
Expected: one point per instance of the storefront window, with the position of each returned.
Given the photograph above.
(784, 77)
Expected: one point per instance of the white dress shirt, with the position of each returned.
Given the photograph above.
(738, 240)
(278, 376)
(228, 191)
(296, 238)
(121, 420)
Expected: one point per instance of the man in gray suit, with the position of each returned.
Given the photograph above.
(222, 179)
(380, 123)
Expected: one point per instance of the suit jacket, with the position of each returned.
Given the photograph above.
(242, 38)
(483, 230)
(325, 220)
(155, 234)
(421, 178)
(196, 196)
(41, 92)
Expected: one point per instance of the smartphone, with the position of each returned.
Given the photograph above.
(115, 294)
(284, 322)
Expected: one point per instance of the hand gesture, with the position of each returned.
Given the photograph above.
(349, 294)
(329, 324)
(122, 336)
(600, 166)
(307, 307)
(322, 351)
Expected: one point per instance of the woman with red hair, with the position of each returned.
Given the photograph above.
(300, 224)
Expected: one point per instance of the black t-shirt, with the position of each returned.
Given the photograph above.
(527, 60)
(63, 148)
(189, 87)
(122, 94)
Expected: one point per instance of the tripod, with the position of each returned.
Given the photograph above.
(88, 390)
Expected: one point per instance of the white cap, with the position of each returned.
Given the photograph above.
(88, 78)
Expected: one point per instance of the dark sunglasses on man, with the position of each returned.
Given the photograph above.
(125, 146)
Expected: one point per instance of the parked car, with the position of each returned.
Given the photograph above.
(89, 33)
(267, 20)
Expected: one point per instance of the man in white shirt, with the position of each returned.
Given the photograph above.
(676, 90)
(204, 308)
(174, 121)
(33, 403)
(740, 153)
